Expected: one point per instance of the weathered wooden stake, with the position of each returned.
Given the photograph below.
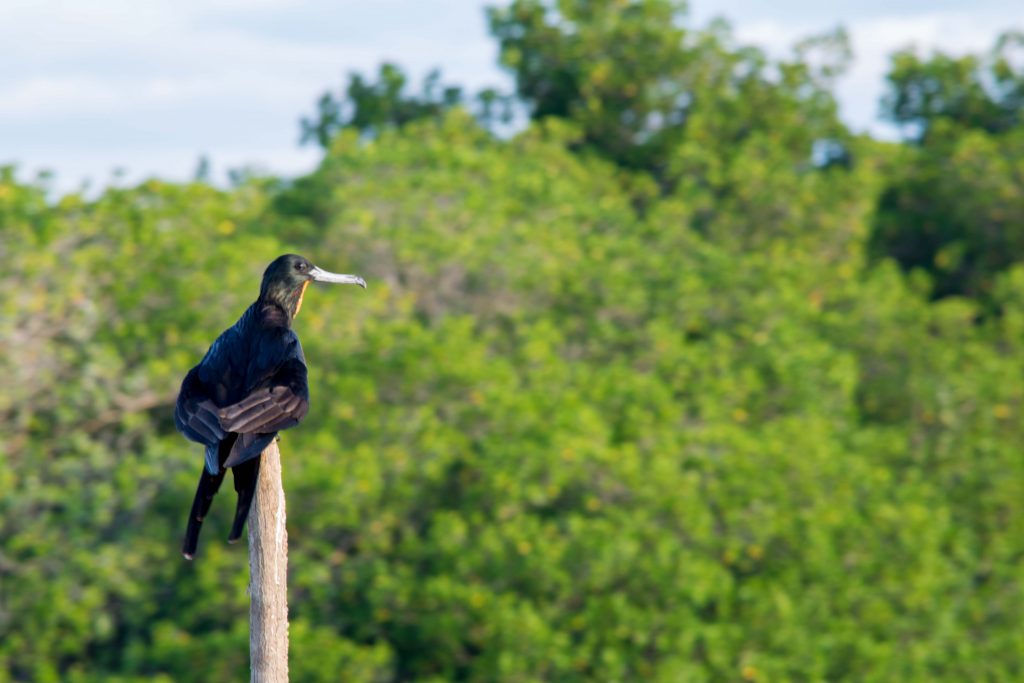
(268, 574)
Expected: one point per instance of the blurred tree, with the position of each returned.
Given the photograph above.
(955, 209)
(370, 107)
(202, 172)
(983, 92)
(618, 69)
(584, 427)
(954, 206)
(641, 85)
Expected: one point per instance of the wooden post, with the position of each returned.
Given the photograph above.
(268, 574)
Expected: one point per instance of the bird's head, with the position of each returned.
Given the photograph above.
(286, 278)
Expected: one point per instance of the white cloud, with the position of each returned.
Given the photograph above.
(149, 86)
(35, 97)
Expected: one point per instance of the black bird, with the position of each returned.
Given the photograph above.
(250, 384)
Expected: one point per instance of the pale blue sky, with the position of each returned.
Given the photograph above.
(88, 86)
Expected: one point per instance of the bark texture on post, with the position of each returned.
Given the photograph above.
(268, 574)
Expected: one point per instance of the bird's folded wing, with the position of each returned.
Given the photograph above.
(247, 447)
(199, 419)
(264, 410)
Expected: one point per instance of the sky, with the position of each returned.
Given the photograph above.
(115, 91)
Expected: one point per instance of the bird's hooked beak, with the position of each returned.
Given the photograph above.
(321, 275)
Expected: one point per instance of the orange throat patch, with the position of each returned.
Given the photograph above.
(302, 294)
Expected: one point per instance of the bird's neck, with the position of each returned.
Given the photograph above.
(287, 301)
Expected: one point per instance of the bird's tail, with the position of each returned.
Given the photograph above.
(209, 484)
(246, 476)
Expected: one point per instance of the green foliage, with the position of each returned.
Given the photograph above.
(982, 92)
(646, 90)
(954, 207)
(555, 440)
(582, 426)
(371, 107)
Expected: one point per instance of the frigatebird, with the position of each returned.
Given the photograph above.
(250, 385)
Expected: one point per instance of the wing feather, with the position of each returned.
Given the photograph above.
(265, 410)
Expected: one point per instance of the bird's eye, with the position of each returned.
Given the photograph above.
(300, 267)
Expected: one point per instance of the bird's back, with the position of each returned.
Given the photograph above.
(247, 354)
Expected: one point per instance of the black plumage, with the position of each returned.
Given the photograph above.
(250, 385)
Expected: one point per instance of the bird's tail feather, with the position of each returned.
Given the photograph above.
(212, 460)
(209, 484)
(246, 476)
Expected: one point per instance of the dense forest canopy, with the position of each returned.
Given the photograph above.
(678, 381)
